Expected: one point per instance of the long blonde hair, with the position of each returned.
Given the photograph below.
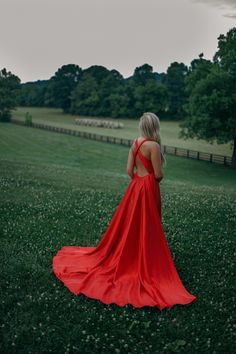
(149, 127)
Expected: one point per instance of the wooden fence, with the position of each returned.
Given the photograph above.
(193, 154)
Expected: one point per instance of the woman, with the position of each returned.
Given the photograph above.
(132, 264)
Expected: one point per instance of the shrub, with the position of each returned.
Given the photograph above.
(28, 119)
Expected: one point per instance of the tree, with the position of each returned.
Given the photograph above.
(175, 83)
(119, 103)
(226, 58)
(9, 84)
(146, 92)
(226, 54)
(85, 98)
(98, 89)
(142, 74)
(32, 94)
(151, 96)
(211, 106)
(198, 70)
(61, 86)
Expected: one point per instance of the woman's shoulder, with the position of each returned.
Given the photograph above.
(149, 142)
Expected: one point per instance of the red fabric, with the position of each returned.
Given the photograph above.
(132, 263)
(146, 162)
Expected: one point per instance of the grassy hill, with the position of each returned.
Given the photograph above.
(61, 190)
(169, 129)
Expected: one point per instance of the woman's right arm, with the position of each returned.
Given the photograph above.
(156, 161)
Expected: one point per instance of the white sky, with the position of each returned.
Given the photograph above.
(39, 36)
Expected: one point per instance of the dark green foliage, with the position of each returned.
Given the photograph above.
(9, 84)
(199, 69)
(175, 84)
(28, 119)
(142, 74)
(146, 92)
(151, 96)
(97, 91)
(61, 86)
(211, 106)
(100, 92)
(226, 53)
(33, 94)
(85, 97)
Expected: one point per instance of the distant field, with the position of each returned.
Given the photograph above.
(59, 190)
(169, 129)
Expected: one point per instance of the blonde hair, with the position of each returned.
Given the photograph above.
(149, 127)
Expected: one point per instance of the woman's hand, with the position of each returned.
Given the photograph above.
(159, 179)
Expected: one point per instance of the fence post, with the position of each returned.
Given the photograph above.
(198, 155)
(210, 157)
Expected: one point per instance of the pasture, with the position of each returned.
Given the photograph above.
(61, 190)
(169, 129)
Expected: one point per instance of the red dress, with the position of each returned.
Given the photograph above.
(132, 263)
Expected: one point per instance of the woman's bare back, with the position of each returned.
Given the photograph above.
(145, 149)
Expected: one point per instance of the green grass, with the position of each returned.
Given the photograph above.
(169, 129)
(61, 190)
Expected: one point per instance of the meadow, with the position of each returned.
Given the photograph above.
(61, 190)
(169, 129)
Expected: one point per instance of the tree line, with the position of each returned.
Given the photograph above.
(100, 92)
(202, 96)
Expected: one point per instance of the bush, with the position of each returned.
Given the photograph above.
(5, 116)
(28, 119)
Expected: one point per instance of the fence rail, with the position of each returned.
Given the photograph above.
(172, 150)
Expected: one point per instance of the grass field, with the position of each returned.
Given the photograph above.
(169, 129)
(61, 190)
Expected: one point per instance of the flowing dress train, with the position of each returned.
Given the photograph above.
(132, 263)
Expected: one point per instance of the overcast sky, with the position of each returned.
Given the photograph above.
(39, 36)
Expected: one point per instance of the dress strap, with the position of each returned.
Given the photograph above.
(138, 146)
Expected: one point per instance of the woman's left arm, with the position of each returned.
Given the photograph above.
(130, 163)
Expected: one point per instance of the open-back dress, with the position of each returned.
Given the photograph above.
(132, 263)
